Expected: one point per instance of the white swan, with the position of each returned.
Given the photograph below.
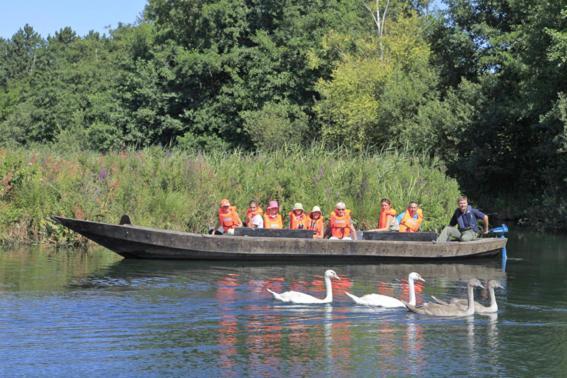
(379, 300)
(479, 308)
(301, 298)
(437, 309)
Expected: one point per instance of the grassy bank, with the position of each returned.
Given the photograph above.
(181, 191)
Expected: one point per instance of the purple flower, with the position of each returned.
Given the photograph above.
(102, 174)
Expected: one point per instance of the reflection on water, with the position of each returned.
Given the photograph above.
(92, 313)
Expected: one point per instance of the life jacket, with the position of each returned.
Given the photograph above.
(276, 222)
(317, 225)
(250, 214)
(383, 219)
(229, 220)
(409, 223)
(298, 222)
(340, 226)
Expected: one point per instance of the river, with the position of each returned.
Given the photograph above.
(73, 313)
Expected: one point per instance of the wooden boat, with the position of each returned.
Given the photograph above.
(140, 242)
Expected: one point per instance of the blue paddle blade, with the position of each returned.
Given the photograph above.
(501, 230)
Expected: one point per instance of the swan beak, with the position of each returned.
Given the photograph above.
(337, 277)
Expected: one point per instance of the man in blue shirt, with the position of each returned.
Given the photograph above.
(464, 223)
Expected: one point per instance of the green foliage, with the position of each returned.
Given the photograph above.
(509, 56)
(276, 125)
(180, 190)
(480, 86)
(380, 99)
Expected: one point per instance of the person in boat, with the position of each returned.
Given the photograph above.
(316, 223)
(410, 219)
(387, 218)
(298, 220)
(340, 224)
(228, 218)
(272, 218)
(464, 223)
(254, 216)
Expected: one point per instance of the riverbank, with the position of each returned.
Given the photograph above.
(181, 190)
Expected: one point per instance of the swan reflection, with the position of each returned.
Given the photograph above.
(270, 336)
(414, 340)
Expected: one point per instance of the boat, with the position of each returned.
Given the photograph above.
(132, 241)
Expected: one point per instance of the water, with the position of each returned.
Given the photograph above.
(71, 313)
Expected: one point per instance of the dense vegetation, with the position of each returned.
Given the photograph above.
(479, 85)
(181, 191)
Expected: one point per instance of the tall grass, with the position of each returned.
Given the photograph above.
(181, 191)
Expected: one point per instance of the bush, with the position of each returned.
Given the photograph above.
(180, 190)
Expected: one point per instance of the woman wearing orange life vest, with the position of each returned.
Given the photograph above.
(298, 220)
(410, 220)
(254, 216)
(316, 223)
(387, 217)
(228, 218)
(273, 219)
(340, 224)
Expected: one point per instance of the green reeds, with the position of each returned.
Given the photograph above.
(181, 191)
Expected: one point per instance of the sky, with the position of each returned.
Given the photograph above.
(48, 16)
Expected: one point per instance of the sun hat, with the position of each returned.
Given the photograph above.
(224, 202)
(340, 206)
(316, 209)
(298, 206)
(273, 204)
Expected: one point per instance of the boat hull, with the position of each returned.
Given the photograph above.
(149, 243)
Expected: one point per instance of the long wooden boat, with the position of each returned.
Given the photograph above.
(133, 241)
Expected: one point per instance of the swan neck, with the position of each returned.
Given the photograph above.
(412, 300)
(493, 304)
(329, 289)
(471, 299)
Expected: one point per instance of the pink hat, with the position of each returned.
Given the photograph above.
(273, 204)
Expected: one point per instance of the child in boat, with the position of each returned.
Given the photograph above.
(272, 218)
(228, 218)
(254, 216)
(316, 222)
(298, 220)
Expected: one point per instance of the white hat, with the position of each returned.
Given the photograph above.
(298, 206)
(316, 209)
(340, 205)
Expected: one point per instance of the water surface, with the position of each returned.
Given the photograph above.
(70, 313)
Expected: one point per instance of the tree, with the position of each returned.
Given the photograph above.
(373, 99)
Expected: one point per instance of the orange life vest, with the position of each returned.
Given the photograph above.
(317, 225)
(230, 219)
(298, 222)
(383, 220)
(340, 226)
(251, 214)
(411, 223)
(275, 222)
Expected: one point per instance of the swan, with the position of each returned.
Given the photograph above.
(386, 301)
(479, 308)
(301, 298)
(437, 309)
